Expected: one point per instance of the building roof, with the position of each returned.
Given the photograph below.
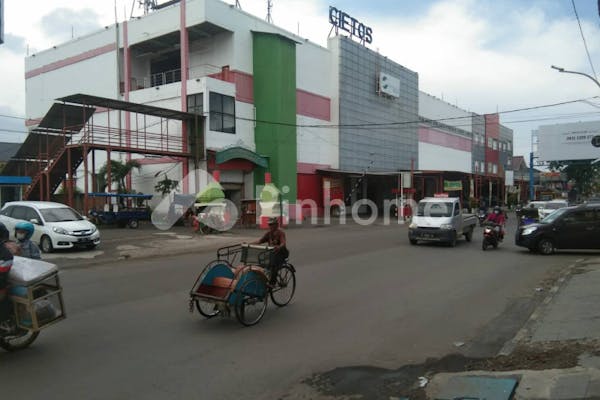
(7, 150)
(89, 100)
(518, 162)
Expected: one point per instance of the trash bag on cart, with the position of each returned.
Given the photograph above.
(26, 271)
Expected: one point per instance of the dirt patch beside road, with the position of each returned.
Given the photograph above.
(378, 383)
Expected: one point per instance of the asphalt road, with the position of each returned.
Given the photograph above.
(364, 297)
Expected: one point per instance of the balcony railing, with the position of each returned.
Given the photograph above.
(166, 77)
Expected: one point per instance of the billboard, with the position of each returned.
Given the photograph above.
(389, 85)
(572, 141)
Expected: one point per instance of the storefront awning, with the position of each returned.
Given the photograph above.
(222, 156)
(15, 180)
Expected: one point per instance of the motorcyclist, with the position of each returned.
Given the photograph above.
(275, 237)
(23, 233)
(497, 217)
(6, 261)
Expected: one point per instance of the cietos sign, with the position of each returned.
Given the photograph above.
(343, 21)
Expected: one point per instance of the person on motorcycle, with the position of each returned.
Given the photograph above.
(23, 233)
(497, 217)
(6, 261)
(275, 237)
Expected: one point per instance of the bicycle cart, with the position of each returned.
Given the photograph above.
(238, 281)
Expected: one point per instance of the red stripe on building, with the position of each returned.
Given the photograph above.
(309, 168)
(71, 60)
(313, 105)
(439, 138)
(244, 83)
(30, 122)
(307, 104)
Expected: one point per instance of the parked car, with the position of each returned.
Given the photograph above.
(57, 226)
(552, 206)
(574, 228)
(440, 219)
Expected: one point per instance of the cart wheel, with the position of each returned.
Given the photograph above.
(251, 302)
(133, 223)
(208, 310)
(285, 285)
(20, 340)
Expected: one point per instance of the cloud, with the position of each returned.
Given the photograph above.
(62, 21)
(15, 43)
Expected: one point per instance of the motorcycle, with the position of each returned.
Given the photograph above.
(36, 302)
(491, 235)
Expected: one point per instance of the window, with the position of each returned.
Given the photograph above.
(490, 142)
(489, 169)
(476, 166)
(495, 144)
(509, 146)
(32, 214)
(222, 113)
(579, 217)
(195, 103)
(495, 169)
(20, 212)
(60, 214)
(7, 211)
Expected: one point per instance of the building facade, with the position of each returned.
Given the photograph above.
(274, 106)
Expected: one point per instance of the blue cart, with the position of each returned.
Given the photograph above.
(131, 209)
(238, 282)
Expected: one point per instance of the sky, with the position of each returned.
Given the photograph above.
(484, 56)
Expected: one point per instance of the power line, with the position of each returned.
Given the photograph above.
(583, 37)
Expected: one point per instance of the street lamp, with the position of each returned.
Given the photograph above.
(559, 69)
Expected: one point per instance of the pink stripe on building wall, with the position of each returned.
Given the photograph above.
(71, 60)
(310, 168)
(434, 136)
(244, 83)
(307, 104)
(313, 105)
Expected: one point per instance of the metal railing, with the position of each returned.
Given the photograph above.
(166, 77)
(133, 140)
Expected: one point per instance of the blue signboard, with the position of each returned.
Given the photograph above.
(343, 21)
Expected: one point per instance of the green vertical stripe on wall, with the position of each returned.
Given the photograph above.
(275, 101)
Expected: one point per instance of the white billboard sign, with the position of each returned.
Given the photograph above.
(389, 85)
(573, 141)
(509, 178)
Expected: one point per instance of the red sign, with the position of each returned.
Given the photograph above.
(440, 195)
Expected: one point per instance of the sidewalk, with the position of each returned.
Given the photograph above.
(559, 349)
(119, 244)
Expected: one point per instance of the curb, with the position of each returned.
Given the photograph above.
(527, 330)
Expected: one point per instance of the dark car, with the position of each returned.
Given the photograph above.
(574, 228)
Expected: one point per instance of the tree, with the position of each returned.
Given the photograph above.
(118, 173)
(585, 173)
(166, 185)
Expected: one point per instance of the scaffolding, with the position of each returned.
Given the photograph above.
(65, 137)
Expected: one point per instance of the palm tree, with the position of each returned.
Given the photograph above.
(118, 173)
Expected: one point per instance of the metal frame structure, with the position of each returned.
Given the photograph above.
(54, 150)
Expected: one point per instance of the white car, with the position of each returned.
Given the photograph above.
(552, 206)
(57, 226)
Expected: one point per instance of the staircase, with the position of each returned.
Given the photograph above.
(56, 171)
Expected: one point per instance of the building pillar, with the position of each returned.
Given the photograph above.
(185, 56)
